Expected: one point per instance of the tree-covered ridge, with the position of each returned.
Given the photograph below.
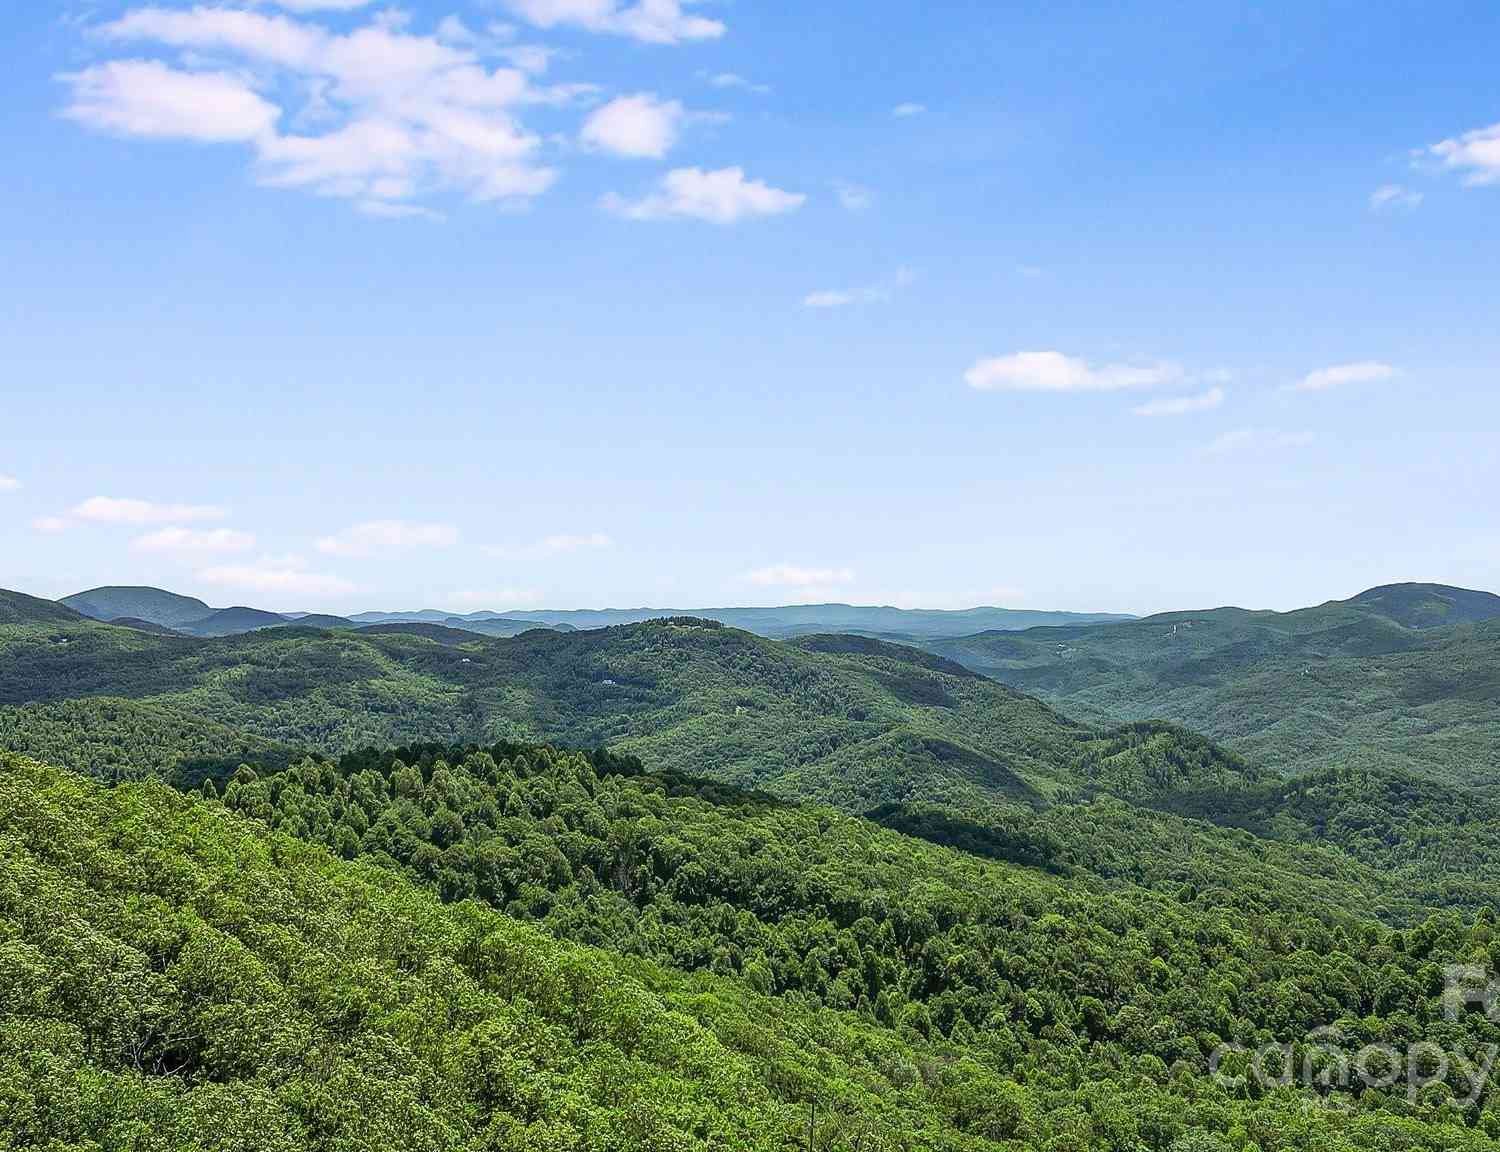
(854, 722)
(1372, 683)
(183, 977)
(828, 910)
(19, 608)
(865, 725)
(176, 978)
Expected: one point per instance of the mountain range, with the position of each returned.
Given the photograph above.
(327, 886)
(1402, 676)
(194, 617)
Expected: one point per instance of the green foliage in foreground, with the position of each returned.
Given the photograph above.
(178, 976)
(834, 910)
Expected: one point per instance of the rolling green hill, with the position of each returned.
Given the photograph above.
(153, 605)
(19, 608)
(1372, 683)
(1430, 605)
(854, 723)
(232, 622)
(919, 742)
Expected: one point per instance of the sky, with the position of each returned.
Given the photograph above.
(338, 305)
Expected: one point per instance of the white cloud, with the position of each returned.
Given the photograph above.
(1362, 372)
(287, 574)
(1183, 405)
(321, 5)
(722, 196)
(1256, 439)
(906, 111)
(639, 126)
(115, 510)
(733, 80)
(50, 525)
(827, 299)
(1055, 372)
(531, 58)
(385, 118)
(187, 541)
(146, 98)
(379, 537)
(791, 576)
(882, 291)
(1394, 197)
(9, 483)
(651, 21)
(559, 545)
(1476, 154)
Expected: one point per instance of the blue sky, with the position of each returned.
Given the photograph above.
(329, 304)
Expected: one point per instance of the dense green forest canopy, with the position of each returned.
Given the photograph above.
(911, 738)
(1405, 677)
(857, 723)
(178, 967)
(832, 882)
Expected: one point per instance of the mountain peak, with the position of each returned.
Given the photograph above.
(153, 605)
(1430, 605)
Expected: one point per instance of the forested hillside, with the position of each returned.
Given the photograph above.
(854, 722)
(182, 969)
(911, 739)
(1399, 678)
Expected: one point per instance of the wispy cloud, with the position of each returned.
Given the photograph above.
(827, 299)
(1475, 154)
(723, 196)
(880, 292)
(1394, 197)
(1256, 439)
(119, 510)
(192, 542)
(383, 537)
(651, 21)
(271, 574)
(642, 125)
(562, 544)
(9, 483)
(1360, 372)
(908, 110)
(50, 525)
(793, 576)
(1183, 405)
(733, 80)
(1055, 372)
(321, 5)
